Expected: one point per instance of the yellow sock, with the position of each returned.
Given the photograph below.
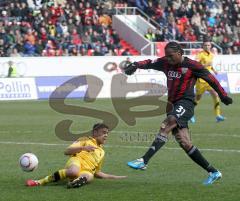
(216, 106)
(59, 175)
(45, 180)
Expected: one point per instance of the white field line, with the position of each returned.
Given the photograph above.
(114, 146)
(140, 132)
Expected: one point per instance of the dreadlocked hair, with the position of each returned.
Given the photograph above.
(175, 47)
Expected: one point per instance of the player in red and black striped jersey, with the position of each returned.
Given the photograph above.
(181, 77)
(181, 73)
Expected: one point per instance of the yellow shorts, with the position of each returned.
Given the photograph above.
(83, 167)
(202, 86)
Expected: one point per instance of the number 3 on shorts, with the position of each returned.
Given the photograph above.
(180, 110)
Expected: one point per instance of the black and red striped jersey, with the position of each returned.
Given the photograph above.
(181, 78)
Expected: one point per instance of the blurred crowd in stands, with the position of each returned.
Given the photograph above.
(78, 27)
(193, 20)
(57, 28)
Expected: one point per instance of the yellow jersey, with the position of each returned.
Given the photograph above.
(91, 160)
(206, 59)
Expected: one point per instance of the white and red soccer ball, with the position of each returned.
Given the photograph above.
(28, 162)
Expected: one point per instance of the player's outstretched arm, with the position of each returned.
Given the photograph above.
(145, 64)
(102, 175)
(74, 150)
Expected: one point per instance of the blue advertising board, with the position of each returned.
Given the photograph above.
(61, 86)
(223, 79)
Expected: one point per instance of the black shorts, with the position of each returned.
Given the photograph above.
(183, 110)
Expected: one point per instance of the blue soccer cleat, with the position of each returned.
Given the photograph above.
(137, 164)
(193, 120)
(220, 118)
(213, 176)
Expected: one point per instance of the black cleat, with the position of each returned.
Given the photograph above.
(76, 183)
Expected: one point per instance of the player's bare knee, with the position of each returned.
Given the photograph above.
(163, 129)
(73, 172)
(168, 124)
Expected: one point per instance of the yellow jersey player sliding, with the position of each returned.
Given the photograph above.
(205, 57)
(86, 157)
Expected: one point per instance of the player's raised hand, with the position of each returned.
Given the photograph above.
(88, 148)
(130, 68)
(227, 100)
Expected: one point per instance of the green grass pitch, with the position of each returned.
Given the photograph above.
(28, 126)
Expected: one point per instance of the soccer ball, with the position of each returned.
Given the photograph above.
(28, 162)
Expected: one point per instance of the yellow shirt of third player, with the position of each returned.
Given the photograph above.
(206, 59)
(91, 160)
